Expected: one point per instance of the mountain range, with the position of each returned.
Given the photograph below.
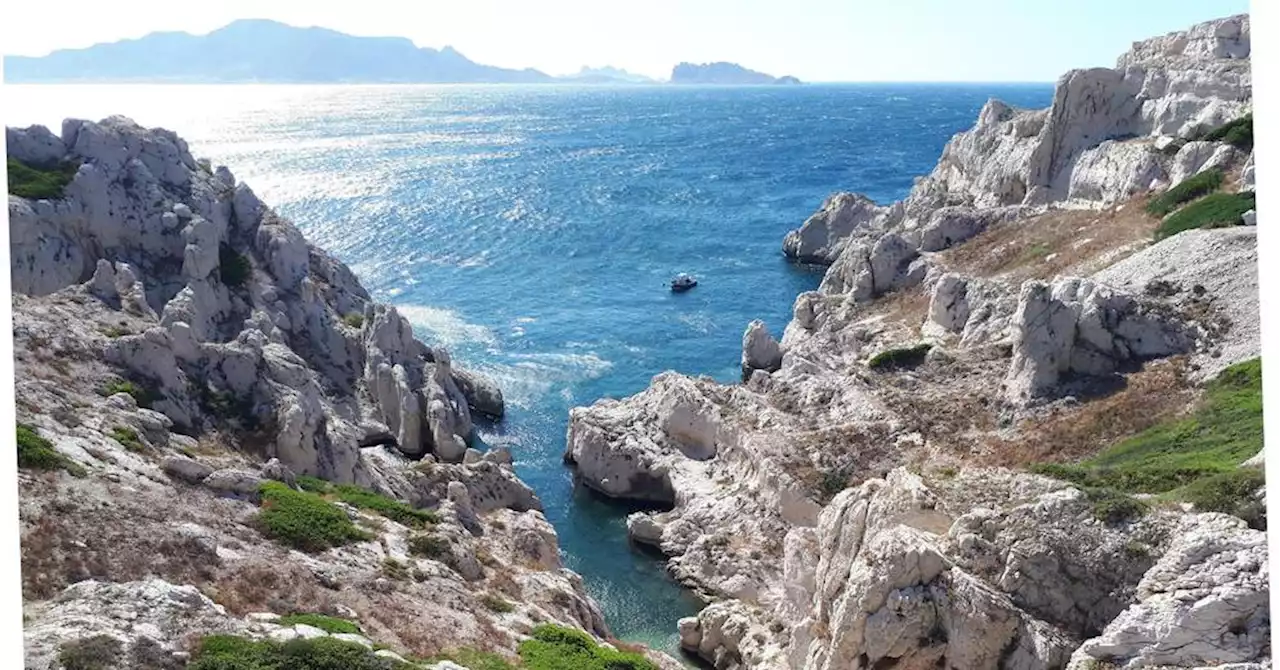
(264, 51)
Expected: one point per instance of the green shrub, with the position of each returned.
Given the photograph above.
(559, 648)
(100, 652)
(34, 183)
(354, 320)
(1237, 133)
(1188, 189)
(395, 569)
(1230, 493)
(314, 484)
(303, 520)
(233, 267)
(905, 357)
(141, 395)
(496, 604)
(327, 624)
(1212, 211)
(37, 453)
(376, 502)
(229, 652)
(388, 507)
(429, 546)
(1112, 507)
(128, 438)
(475, 660)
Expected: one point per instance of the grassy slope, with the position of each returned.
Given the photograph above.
(1195, 458)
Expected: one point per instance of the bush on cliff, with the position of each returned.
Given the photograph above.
(1212, 211)
(365, 499)
(1237, 133)
(1195, 458)
(37, 453)
(560, 648)
(34, 183)
(233, 267)
(903, 357)
(304, 520)
(1188, 189)
(230, 652)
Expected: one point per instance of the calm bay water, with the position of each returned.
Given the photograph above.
(532, 230)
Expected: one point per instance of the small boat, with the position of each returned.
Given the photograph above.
(682, 283)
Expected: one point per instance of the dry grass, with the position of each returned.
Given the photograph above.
(1062, 241)
(1069, 433)
(71, 543)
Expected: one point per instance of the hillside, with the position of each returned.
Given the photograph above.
(230, 456)
(1019, 423)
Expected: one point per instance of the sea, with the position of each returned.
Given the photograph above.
(533, 231)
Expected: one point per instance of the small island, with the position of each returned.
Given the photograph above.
(724, 73)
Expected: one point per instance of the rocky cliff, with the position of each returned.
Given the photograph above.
(961, 452)
(218, 427)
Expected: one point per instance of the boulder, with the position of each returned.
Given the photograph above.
(822, 236)
(759, 350)
(235, 483)
(185, 469)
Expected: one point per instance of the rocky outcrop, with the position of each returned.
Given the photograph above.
(239, 308)
(824, 234)
(1076, 326)
(759, 350)
(1203, 604)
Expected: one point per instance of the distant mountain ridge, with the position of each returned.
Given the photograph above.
(723, 73)
(270, 52)
(608, 75)
(259, 50)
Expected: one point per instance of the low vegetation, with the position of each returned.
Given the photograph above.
(1237, 133)
(354, 320)
(554, 647)
(128, 438)
(141, 395)
(325, 623)
(37, 453)
(229, 652)
(430, 546)
(365, 499)
(100, 652)
(1195, 458)
(476, 660)
(304, 520)
(496, 604)
(233, 267)
(904, 357)
(1212, 211)
(34, 183)
(1195, 186)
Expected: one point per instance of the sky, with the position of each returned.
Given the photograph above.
(815, 40)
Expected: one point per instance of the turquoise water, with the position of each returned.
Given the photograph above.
(532, 230)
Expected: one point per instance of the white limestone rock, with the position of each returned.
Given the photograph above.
(151, 613)
(1078, 326)
(1204, 603)
(35, 146)
(759, 350)
(823, 235)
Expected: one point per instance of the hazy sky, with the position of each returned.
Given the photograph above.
(816, 40)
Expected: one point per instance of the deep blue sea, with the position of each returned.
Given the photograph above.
(533, 230)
